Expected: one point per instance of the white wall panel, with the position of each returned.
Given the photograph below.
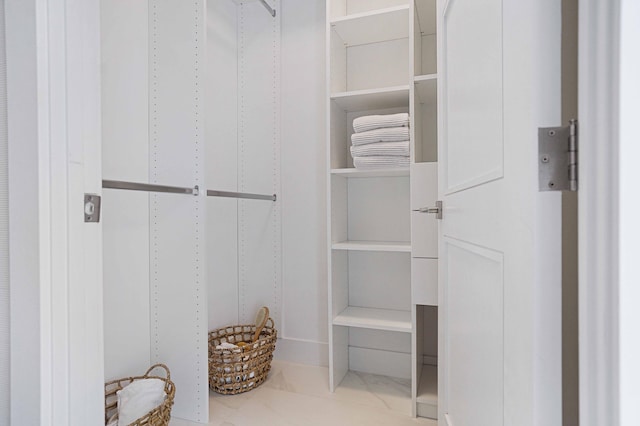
(221, 106)
(177, 239)
(125, 216)
(303, 165)
(4, 232)
(389, 59)
(259, 226)
(379, 209)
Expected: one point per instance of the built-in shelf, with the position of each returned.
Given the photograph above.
(370, 99)
(356, 173)
(377, 319)
(384, 246)
(426, 10)
(373, 27)
(427, 397)
(426, 88)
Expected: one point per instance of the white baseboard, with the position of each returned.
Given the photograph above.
(429, 360)
(375, 361)
(302, 351)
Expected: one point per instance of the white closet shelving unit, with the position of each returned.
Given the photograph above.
(381, 58)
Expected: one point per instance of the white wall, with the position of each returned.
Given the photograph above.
(263, 136)
(26, 214)
(221, 110)
(304, 326)
(629, 231)
(4, 233)
(125, 216)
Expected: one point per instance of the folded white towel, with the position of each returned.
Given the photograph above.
(394, 149)
(384, 162)
(387, 134)
(226, 345)
(371, 122)
(138, 398)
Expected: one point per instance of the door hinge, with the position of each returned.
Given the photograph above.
(558, 157)
(92, 204)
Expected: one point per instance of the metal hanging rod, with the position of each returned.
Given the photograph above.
(271, 10)
(134, 186)
(246, 195)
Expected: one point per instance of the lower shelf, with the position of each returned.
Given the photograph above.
(427, 398)
(377, 319)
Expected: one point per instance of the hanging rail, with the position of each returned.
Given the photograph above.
(245, 195)
(134, 186)
(271, 10)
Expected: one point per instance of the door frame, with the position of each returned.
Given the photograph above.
(34, 75)
(608, 231)
(53, 92)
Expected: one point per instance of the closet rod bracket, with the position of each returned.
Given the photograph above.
(271, 10)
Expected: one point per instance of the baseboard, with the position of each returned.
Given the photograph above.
(429, 360)
(302, 351)
(375, 361)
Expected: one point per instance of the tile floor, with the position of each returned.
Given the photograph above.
(296, 394)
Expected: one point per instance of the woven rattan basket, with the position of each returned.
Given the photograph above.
(159, 416)
(233, 371)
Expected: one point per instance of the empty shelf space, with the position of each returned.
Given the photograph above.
(426, 11)
(385, 246)
(427, 397)
(376, 319)
(356, 173)
(370, 99)
(426, 88)
(374, 26)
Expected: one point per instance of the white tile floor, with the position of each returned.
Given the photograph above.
(296, 394)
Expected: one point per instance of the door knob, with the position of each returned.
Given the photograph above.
(437, 210)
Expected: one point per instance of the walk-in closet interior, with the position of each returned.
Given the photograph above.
(229, 185)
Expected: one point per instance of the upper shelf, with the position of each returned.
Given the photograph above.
(370, 99)
(373, 27)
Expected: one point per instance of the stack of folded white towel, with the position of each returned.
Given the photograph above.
(380, 141)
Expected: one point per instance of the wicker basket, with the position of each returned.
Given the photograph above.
(159, 416)
(233, 371)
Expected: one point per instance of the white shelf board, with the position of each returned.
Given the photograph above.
(376, 319)
(374, 26)
(384, 246)
(356, 173)
(427, 397)
(370, 99)
(427, 88)
(426, 10)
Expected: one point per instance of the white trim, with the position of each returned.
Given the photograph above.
(302, 351)
(56, 302)
(27, 92)
(598, 222)
(629, 227)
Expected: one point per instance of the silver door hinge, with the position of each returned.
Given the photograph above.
(92, 204)
(558, 157)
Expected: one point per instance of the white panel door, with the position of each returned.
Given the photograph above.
(500, 280)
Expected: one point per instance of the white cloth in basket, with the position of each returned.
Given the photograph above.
(138, 398)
